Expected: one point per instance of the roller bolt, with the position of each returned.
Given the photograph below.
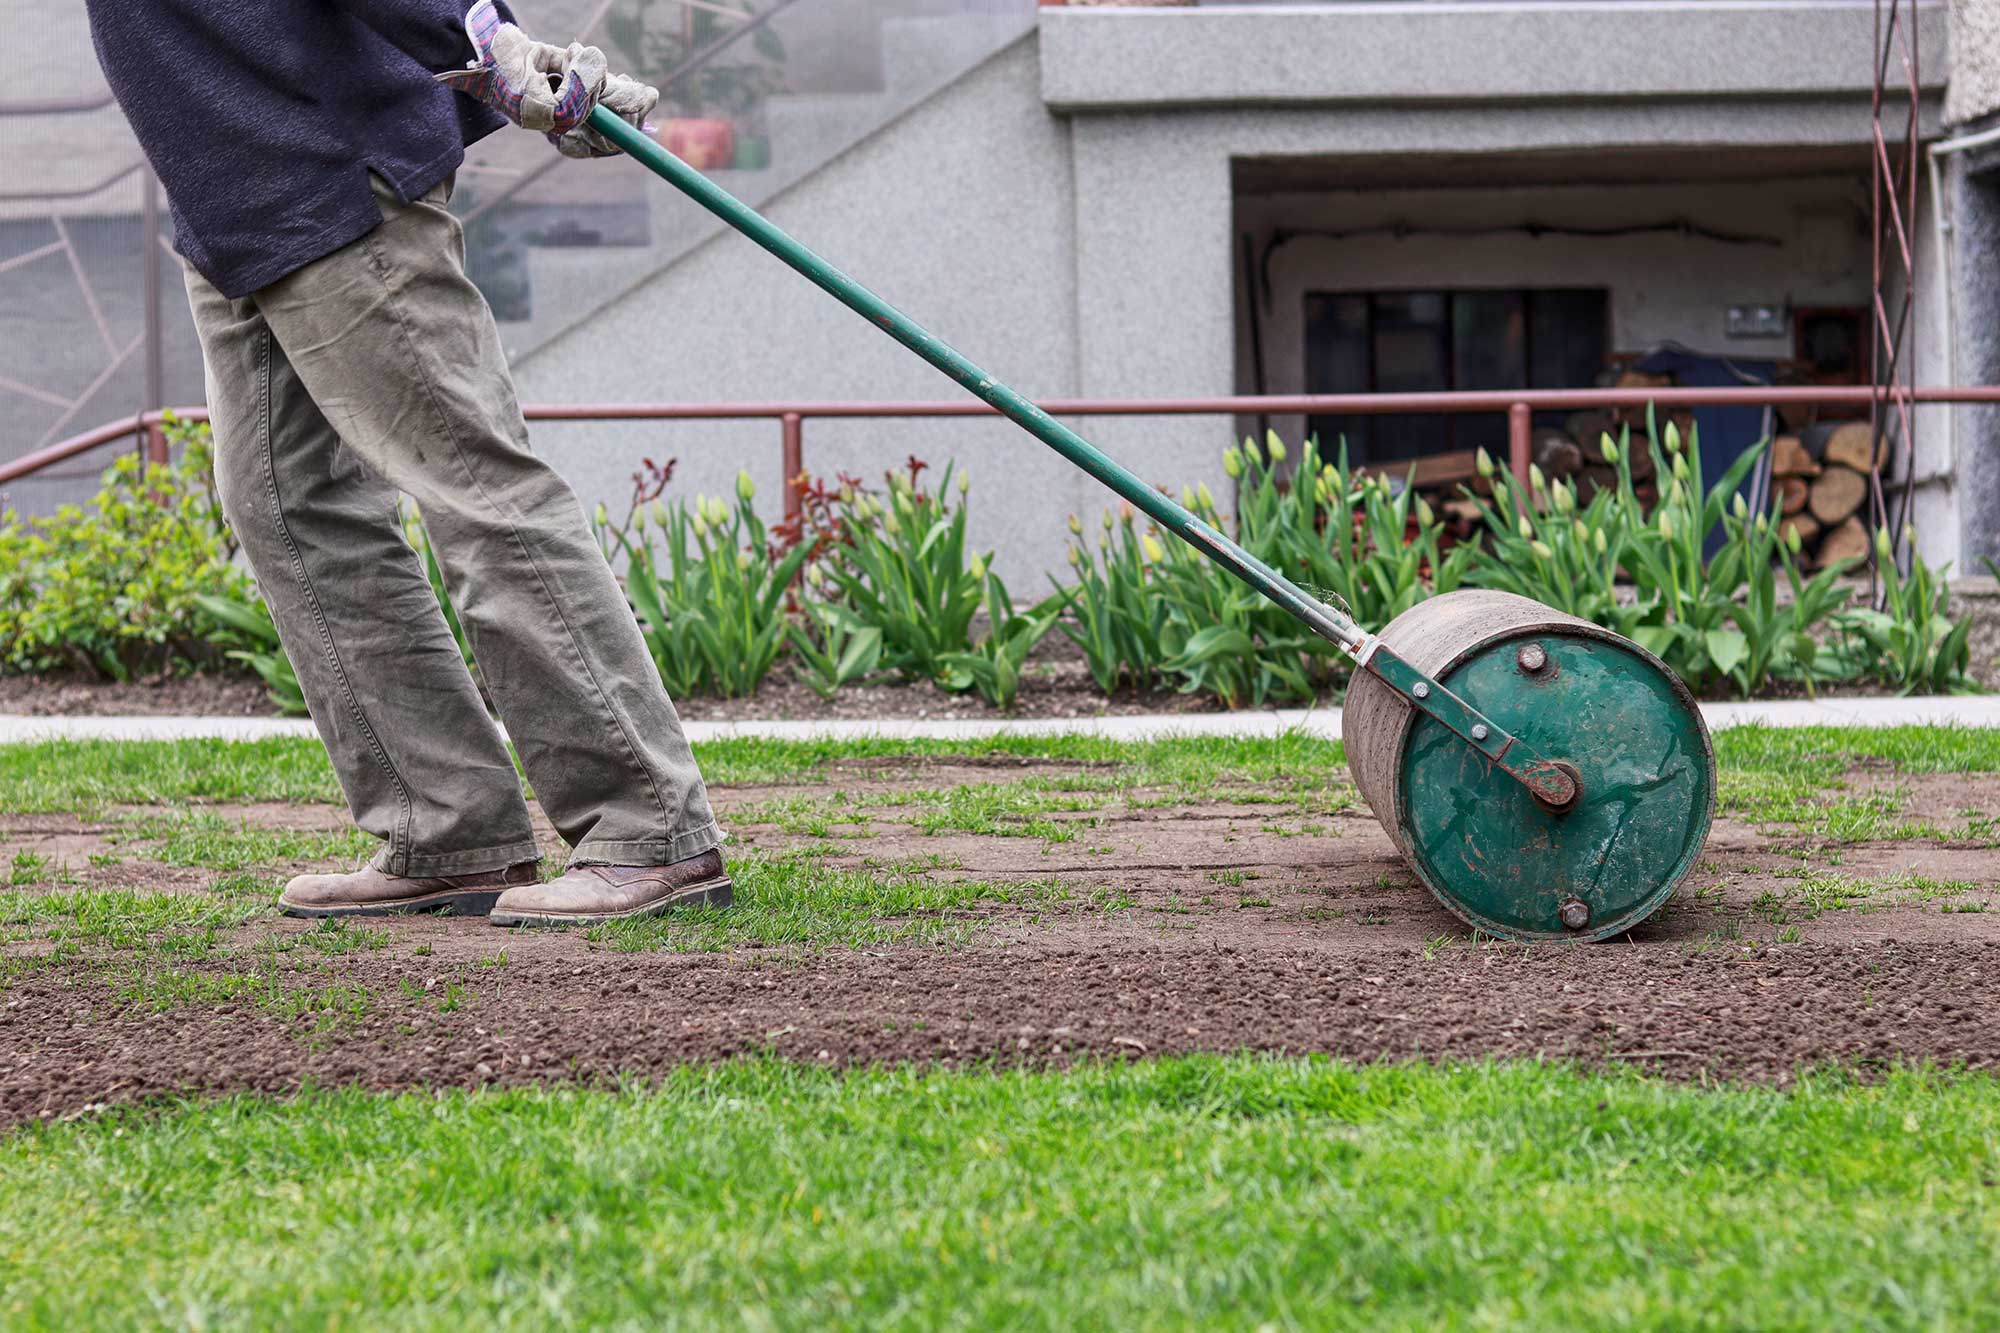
(1575, 913)
(1421, 690)
(1532, 657)
(1479, 731)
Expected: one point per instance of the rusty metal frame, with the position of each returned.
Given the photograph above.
(1518, 405)
(1894, 162)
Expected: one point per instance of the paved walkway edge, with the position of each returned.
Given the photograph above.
(1972, 711)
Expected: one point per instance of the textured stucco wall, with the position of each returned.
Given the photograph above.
(1975, 61)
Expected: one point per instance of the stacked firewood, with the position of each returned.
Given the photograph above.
(1820, 479)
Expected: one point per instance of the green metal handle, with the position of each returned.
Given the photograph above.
(1540, 776)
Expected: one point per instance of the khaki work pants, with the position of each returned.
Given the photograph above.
(378, 370)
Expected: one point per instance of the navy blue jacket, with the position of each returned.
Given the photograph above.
(263, 118)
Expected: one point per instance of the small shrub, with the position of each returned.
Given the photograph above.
(112, 588)
(901, 565)
(993, 665)
(711, 597)
(1911, 644)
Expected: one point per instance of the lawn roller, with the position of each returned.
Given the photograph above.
(1573, 819)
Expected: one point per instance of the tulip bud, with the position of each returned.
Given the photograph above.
(1792, 541)
(847, 495)
(1673, 434)
(1232, 462)
(1579, 530)
(1882, 543)
(746, 489)
(1680, 467)
(1075, 558)
(1597, 541)
(1153, 551)
(815, 576)
(1107, 520)
(1322, 494)
(1206, 496)
(1425, 516)
(1541, 549)
(964, 484)
(742, 560)
(1484, 461)
(1740, 508)
(978, 568)
(1075, 526)
(1666, 525)
(1563, 498)
(890, 523)
(638, 520)
(1187, 497)
(1252, 452)
(1763, 524)
(1536, 481)
(601, 516)
(1274, 446)
(1675, 495)
(700, 526)
(659, 516)
(1125, 512)
(1527, 528)
(1609, 448)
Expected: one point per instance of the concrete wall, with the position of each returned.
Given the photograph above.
(1321, 54)
(1975, 61)
(1664, 286)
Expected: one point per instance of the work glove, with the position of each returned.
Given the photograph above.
(629, 99)
(533, 84)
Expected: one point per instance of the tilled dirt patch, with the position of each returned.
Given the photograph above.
(1761, 1015)
(1213, 924)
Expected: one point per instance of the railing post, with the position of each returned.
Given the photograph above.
(1520, 440)
(794, 464)
(156, 443)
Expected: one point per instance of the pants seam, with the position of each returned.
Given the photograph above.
(381, 264)
(458, 863)
(651, 851)
(404, 807)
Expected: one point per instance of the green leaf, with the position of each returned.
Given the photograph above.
(1727, 648)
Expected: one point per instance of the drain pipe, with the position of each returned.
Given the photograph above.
(1942, 224)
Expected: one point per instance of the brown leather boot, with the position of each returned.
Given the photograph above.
(372, 892)
(590, 895)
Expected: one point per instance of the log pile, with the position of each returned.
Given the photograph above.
(1820, 477)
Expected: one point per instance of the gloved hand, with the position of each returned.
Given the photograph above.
(533, 84)
(630, 99)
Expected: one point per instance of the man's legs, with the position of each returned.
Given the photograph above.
(399, 351)
(419, 760)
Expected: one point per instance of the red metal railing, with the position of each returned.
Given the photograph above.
(1518, 405)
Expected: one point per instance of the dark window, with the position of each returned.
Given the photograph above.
(1409, 342)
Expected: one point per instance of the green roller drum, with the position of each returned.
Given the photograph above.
(1496, 856)
(1559, 800)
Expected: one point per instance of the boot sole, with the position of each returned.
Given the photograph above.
(450, 902)
(708, 893)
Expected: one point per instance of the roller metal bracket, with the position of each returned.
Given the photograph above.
(1551, 783)
(1543, 778)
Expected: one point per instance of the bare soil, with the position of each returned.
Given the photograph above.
(1194, 925)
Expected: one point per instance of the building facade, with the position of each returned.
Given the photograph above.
(1186, 200)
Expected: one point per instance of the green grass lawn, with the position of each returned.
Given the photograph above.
(1206, 1192)
(86, 776)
